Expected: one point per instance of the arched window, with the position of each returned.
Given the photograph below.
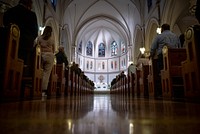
(54, 2)
(80, 47)
(89, 49)
(149, 4)
(114, 48)
(101, 49)
(123, 47)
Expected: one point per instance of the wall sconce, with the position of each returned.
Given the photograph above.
(41, 29)
(158, 30)
(142, 50)
(130, 62)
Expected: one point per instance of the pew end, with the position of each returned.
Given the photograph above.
(191, 66)
(171, 75)
(154, 81)
(12, 66)
(60, 70)
(31, 85)
(52, 85)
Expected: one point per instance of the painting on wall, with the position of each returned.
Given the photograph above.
(115, 65)
(91, 64)
(101, 65)
(87, 65)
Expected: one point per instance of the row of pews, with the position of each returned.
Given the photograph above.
(179, 79)
(15, 85)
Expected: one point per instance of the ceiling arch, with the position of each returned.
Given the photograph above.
(101, 23)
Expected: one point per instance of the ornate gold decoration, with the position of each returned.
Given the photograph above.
(165, 49)
(15, 31)
(188, 34)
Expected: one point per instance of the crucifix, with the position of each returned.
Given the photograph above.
(101, 78)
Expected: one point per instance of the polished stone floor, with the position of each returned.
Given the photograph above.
(99, 114)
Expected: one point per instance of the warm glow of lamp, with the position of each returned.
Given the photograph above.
(130, 62)
(142, 50)
(41, 29)
(158, 30)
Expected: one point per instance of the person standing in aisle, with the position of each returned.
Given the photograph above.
(47, 49)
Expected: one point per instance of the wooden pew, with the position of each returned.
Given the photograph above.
(60, 70)
(52, 86)
(31, 85)
(11, 66)
(131, 84)
(137, 87)
(73, 79)
(171, 75)
(143, 81)
(191, 66)
(154, 81)
(80, 84)
(69, 81)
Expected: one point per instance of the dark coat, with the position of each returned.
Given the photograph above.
(197, 13)
(27, 23)
(61, 58)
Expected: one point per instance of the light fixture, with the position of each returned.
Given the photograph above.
(130, 62)
(142, 50)
(158, 30)
(41, 29)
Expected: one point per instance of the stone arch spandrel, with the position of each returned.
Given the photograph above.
(139, 42)
(65, 41)
(151, 32)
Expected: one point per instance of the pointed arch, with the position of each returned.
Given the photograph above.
(101, 50)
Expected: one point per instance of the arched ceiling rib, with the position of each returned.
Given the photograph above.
(108, 26)
(87, 15)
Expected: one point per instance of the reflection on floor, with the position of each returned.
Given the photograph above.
(99, 114)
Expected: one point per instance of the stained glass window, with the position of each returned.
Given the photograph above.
(89, 48)
(80, 47)
(101, 50)
(149, 4)
(123, 47)
(54, 2)
(114, 48)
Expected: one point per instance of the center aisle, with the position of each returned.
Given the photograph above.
(99, 114)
